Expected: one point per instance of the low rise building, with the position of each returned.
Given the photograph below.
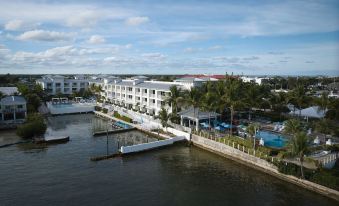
(137, 94)
(13, 109)
(54, 84)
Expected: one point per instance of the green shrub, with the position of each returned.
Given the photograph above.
(124, 118)
(116, 114)
(104, 110)
(35, 126)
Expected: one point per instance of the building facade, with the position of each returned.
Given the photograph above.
(54, 84)
(137, 94)
(13, 109)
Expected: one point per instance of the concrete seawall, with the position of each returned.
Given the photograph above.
(259, 164)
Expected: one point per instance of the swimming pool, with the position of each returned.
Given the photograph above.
(272, 139)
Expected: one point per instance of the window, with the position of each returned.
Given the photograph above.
(129, 96)
(153, 101)
(123, 95)
(145, 100)
(138, 89)
(130, 89)
(138, 98)
(162, 93)
(20, 106)
(145, 91)
(57, 84)
(153, 91)
(123, 88)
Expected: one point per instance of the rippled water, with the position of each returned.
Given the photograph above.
(178, 175)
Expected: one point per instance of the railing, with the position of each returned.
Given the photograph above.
(235, 145)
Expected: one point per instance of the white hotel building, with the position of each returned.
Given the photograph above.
(55, 84)
(137, 93)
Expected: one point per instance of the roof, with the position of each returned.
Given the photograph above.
(12, 100)
(139, 77)
(312, 112)
(215, 76)
(191, 114)
(157, 86)
(189, 79)
(8, 90)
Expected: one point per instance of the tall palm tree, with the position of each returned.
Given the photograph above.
(164, 117)
(298, 97)
(208, 104)
(293, 126)
(253, 97)
(252, 130)
(323, 102)
(193, 98)
(175, 99)
(233, 98)
(299, 147)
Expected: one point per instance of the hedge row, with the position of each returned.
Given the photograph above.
(124, 118)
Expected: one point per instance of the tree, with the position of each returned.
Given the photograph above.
(33, 102)
(298, 97)
(209, 104)
(35, 126)
(253, 97)
(233, 98)
(293, 126)
(252, 130)
(164, 117)
(323, 102)
(175, 100)
(193, 98)
(299, 147)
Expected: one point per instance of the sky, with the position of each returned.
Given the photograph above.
(298, 37)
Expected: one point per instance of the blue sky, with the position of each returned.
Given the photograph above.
(170, 37)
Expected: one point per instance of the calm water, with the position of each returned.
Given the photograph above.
(178, 175)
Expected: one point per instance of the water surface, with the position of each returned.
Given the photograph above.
(178, 175)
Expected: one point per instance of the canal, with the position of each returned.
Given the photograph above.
(178, 175)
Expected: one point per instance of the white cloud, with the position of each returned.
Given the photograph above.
(215, 47)
(96, 39)
(154, 56)
(192, 50)
(83, 19)
(19, 25)
(135, 21)
(43, 35)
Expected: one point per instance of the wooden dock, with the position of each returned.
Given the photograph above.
(52, 140)
(103, 132)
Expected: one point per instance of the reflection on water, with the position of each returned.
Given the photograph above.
(62, 174)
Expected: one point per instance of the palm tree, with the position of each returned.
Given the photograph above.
(193, 98)
(164, 117)
(209, 104)
(293, 126)
(232, 98)
(299, 147)
(298, 96)
(175, 99)
(252, 130)
(253, 98)
(323, 102)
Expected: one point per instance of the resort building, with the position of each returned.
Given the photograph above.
(189, 81)
(54, 84)
(13, 109)
(256, 80)
(137, 94)
(9, 90)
